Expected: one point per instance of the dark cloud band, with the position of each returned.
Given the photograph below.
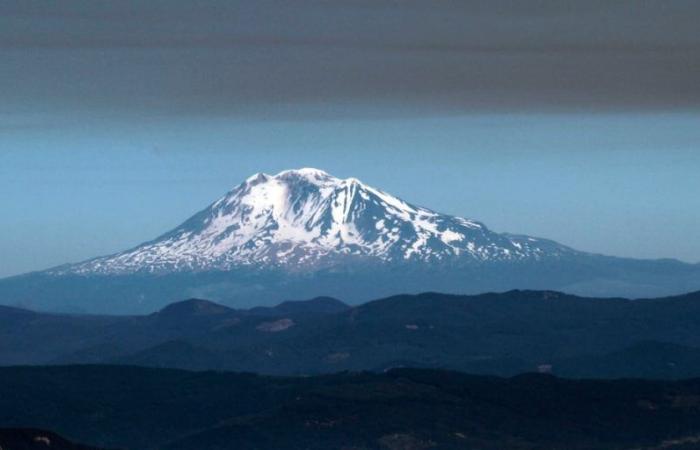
(403, 57)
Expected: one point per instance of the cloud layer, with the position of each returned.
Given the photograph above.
(310, 58)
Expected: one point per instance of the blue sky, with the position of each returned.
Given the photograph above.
(575, 120)
(621, 184)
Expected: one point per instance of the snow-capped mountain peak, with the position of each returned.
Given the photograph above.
(307, 219)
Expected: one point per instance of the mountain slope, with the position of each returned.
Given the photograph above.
(305, 220)
(303, 234)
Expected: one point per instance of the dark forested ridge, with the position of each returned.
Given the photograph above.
(365, 400)
(143, 408)
(32, 439)
(502, 334)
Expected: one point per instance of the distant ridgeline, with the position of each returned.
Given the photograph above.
(304, 233)
(503, 334)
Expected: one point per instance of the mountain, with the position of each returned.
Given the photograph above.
(499, 334)
(304, 233)
(302, 220)
(315, 306)
(187, 309)
(400, 409)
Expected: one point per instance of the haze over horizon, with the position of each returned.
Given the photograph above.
(571, 121)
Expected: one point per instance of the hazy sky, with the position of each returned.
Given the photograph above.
(572, 120)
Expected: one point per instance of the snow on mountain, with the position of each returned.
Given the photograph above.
(307, 219)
